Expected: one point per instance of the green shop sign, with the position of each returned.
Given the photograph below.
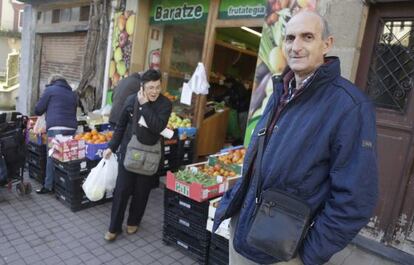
(176, 11)
(238, 9)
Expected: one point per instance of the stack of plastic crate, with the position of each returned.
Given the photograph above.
(219, 250)
(186, 145)
(36, 160)
(69, 177)
(185, 225)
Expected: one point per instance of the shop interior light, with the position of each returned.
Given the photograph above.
(251, 31)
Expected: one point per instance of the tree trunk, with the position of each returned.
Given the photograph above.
(91, 83)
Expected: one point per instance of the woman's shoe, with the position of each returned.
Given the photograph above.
(132, 229)
(110, 236)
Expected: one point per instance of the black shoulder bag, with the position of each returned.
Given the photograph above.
(280, 221)
(141, 158)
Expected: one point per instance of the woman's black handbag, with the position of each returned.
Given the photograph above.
(280, 221)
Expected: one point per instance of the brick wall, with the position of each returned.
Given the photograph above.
(62, 53)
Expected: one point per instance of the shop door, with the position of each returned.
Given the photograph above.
(62, 53)
(386, 73)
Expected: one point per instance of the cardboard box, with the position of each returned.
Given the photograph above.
(95, 151)
(68, 150)
(195, 191)
(213, 160)
(224, 228)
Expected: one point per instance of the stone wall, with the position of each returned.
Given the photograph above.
(346, 19)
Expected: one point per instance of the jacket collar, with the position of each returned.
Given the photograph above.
(326, 73)
(60, 82)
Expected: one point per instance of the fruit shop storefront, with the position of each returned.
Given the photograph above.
(174, 37)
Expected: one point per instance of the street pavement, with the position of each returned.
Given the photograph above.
(38, 229)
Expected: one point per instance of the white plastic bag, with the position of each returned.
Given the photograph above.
(40, 125)
(198, 82)
(110, 172)
(94, 185)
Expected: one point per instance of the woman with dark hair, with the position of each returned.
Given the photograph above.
(59, 103)
(155, 109)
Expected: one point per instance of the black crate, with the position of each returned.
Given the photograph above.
(214, 260)
(171, 147)
(220, 242)
(169, 163)
(219, 250)
(76, 167)
(70, 183)
(186, 145)
(75, 202)
(36, 159)
(189, 224)
(186, 157)
(37, 173)
(175, 200)
(186, 243)
(37, 149)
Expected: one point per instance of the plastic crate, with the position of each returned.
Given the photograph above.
(103, 127)
(170, 163)
(215, 258)
(185, 205)
(186, 157)
(171, 150)
(74, 202)
(69, 183)
(195, 191)
(39, 149)
(75, 167)
(189, 245)
(37, 173)
(189, 224)
(219, 250)
(95, 151)
(186, 145)
(220, 242)
(36, 159)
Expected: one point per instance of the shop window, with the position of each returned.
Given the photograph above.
(391, 72)
(65, 15)
(56, 16)
(84, 13)
(39, 16)
(75, 13)
(20, 19)
(187, 46)
(47, 19)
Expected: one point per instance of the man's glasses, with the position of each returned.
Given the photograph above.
(153, 88)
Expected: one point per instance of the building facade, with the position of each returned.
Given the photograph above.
(374, 40)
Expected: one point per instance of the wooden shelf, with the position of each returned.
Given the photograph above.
(212, 133)
(237, 49)
(176, 74)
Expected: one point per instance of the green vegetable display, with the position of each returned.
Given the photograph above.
(190, 176)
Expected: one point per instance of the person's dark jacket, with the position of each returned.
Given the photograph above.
(239, 97)
(59, 103)
(126, 87)
(323, 150)
(156, 115)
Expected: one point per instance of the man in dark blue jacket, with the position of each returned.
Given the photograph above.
(59, 103)
(320, 147)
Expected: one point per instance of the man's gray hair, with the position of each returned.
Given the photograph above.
(324, 23)
(53, 77)
(325, 27)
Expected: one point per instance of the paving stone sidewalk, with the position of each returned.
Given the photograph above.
(38, 229)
